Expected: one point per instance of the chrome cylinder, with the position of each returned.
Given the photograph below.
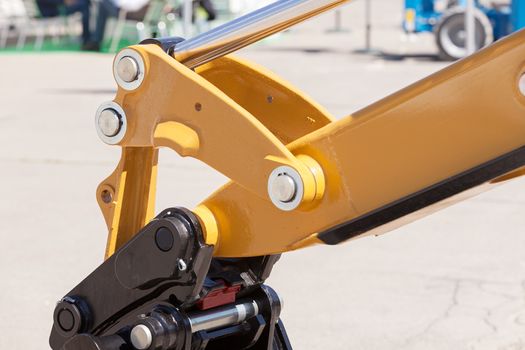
(222, 317)
(248, 29)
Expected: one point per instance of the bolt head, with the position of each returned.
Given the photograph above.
(141, 337)
(128, 69)
(109, 122)
(283, 188)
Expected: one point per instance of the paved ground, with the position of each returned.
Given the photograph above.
(455, 280)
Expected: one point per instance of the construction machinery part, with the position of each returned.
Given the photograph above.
(195, 279)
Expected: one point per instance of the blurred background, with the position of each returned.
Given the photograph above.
(454, 280)
(108, 25)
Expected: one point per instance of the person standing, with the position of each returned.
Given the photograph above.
(53, 8)
(207, 5)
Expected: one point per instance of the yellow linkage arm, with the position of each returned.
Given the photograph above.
(456, 130)
(175, 107)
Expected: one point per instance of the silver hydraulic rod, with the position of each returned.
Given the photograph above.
(248, 29)
(142, 336)
(222, 317)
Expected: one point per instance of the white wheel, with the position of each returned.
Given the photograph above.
(451, 34)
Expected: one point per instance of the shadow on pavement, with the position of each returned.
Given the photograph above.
(388, 56)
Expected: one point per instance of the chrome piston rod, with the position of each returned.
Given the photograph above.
(222, 317)
(248, 29)
(142, 337)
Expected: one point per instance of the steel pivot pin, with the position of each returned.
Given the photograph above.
(141, 337)
(127, 69)
(285, 188)
(109, 122)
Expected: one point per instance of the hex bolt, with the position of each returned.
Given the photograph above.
(283, 188)
(141, 337)
(109, 122)
(521, 84)
(128, 69)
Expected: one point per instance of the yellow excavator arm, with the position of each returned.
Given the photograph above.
(194, 279)
(418, 150)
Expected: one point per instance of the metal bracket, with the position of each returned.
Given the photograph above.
(186, 111)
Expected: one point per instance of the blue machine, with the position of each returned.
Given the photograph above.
(446, 19)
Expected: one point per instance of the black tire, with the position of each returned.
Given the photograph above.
(450, 33)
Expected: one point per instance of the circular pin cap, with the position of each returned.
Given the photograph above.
(109, 122)
(141, 337)
(127, 69)
(164, 239)
(71, 316)
(283, 188)
(66, 320)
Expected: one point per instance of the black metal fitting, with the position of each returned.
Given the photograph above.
(169, 329)
(138, 276)
(162, 278)
(262, 332)
(71, 316)
(167, 44)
